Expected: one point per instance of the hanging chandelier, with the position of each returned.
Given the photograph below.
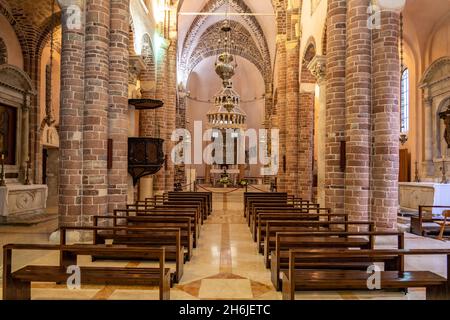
(226, 112)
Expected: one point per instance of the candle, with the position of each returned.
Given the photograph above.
(3, 156)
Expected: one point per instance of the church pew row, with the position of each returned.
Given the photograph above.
(324, 214)
(286, 241)
(17, 284)
(273, 227)
(266, 195)
(205, 196)
(260, 204)
(297, 279)
(155, 221)
(197, 204)
(165, 212)
(169, 238)
(424, 224)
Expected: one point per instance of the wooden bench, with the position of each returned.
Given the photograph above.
(307, 279)
(266, 195)
(255, 207)
(193, 204)
(286, 241)
(425, 224)
(268, 233)
(137, 210)
(321, 212)
(17, 284)
(166, 212)
(169, 238)
(156, 221)
(206, 197)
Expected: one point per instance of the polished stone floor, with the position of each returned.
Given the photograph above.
(225, 264)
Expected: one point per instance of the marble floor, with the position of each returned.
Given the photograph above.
(225, 264)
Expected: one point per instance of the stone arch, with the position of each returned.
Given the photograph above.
(3, 52)
(308, 55)
(16, 79)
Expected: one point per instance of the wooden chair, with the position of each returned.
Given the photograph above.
(443, 224)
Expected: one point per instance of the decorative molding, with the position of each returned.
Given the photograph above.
(318, 67)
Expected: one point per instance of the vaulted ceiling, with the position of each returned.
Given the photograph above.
(254, 36)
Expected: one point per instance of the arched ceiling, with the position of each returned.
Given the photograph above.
(261, 30)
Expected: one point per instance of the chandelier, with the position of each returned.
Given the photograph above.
(226, 112)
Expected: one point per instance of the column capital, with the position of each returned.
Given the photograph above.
(318, 67)
(68, 3)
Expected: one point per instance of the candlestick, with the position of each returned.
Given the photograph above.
(416, 178)
(444, 173)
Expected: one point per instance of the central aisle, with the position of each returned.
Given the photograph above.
(226, 264)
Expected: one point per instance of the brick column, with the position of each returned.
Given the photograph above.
(386, 122)
(281, 110)
(118, 103)
(292, 118)
(95, 125)
(170, 106)
(335, 114)
(358, 95)
(71, 117)
(160, 119)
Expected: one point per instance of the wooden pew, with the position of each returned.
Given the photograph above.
(286, 241)
(293, 216)
(17, 284)
(255, 206)
(166, 212)
(206, 197)
(169, 238)
(273, 227)
(192, 204)
(266, 195)
(156, 221)
(323, 212)
(306, 279)
(425, 224)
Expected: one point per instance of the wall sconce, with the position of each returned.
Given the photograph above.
(403, 138)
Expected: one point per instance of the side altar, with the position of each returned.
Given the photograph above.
(22, 200)
(415, 194)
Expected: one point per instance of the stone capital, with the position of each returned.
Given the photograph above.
(318, 67)
(68, 3)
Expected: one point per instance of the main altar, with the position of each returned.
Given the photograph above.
(415, 194)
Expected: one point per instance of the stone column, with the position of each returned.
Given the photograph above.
(293, 122)
(71, 114)
(358, 96)
(335, 95)
(428, 164)
(118, 120)
(386, 121)
(25, 132)
(95, 124)
(317, 67)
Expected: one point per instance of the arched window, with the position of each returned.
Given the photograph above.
(404, 101)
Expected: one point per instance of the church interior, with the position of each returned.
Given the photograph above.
(225, 149)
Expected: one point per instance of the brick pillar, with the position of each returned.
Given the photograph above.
(335, 114)
(281, 111)
(357, 128)
(95, 124)
(292, 118)
(71, 118)
(118, 103)
(386, 122)
(170, 111)
(160, 119)
(306, 142)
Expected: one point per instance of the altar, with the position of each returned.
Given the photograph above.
(217, 173)
(415, 194)
(17, 200)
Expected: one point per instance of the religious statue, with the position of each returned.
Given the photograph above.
(446, 117)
